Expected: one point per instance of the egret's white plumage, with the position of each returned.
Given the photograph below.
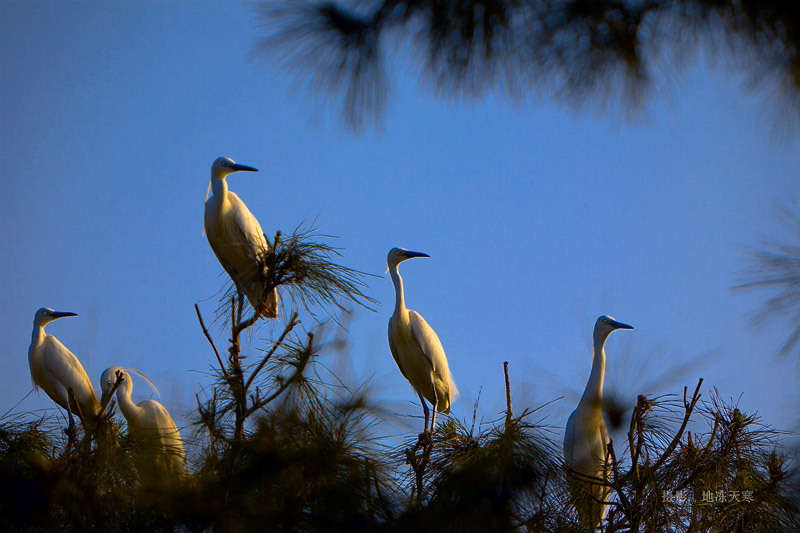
(417, 349)
(238, 240)
(56, 370)
(586, 436)
(149, 423)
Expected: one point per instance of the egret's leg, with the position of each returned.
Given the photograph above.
(239, 305)
(70, 431)
(425, 410)
(435, 406)
(70, 397)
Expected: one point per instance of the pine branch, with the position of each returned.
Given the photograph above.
(293, 321)
(211, 342)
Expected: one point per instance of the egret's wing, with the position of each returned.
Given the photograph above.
(155, 418)
(239, 244)
(604, 436)
(234, 234)
(158, 431)
(247, 228)
(62, 367)
(604, 433)
(162, 427)
(430, 344)
(250, 268)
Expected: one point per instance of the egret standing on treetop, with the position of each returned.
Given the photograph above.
(149, 423)
(237, 239)
(586, 437)
(56, 370)
(417, 349)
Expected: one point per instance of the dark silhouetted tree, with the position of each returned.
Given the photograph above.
(578, 52)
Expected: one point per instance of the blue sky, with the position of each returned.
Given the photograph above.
(537, 219)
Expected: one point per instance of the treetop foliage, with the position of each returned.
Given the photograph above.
(578, 52)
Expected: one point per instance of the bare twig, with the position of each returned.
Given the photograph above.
(210, 341)
(689, 407)
(420, 462)
(636, 428)
(293, 321)
(285, 385)
(240, 326)
(624, 503)
(508, 394)
(117, 383)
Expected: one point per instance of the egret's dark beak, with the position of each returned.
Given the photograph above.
(104, 398)
(61, 314)
(237, 167)
(620, 325)
(410, 255)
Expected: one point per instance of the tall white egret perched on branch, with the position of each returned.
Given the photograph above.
(586, 436)
(237, 239)
(56, 370)
(149, 423)
(417, 349)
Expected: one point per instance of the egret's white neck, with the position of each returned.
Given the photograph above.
(37, 338)
(593, 393)
(38, 333)
(219, 187)
(399, 301)
(129, 409)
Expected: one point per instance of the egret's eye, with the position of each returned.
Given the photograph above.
(224, 163)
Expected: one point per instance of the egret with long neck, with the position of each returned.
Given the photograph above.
(149, 423)
(238, 241)
(417, 349)
(586, 436)
(56, 371)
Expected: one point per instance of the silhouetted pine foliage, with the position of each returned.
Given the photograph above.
(503, 478)
(579, 52)
(315, 463)
(302, 469)
(775, 269)
(281, 443)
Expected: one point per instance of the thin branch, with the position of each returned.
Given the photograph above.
(635, 428)
(114, 387)
(689, 407)
(508, 394)
(210, 341)
(240, 307)
(293, 321)
(618, 488)
(420, 462)
(208, 418)
(285, 385)
(239, 325)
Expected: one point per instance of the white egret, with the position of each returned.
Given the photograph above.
(149, 423)
(586, 436)
(417, 349)
(237, 239)
(56, 370)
